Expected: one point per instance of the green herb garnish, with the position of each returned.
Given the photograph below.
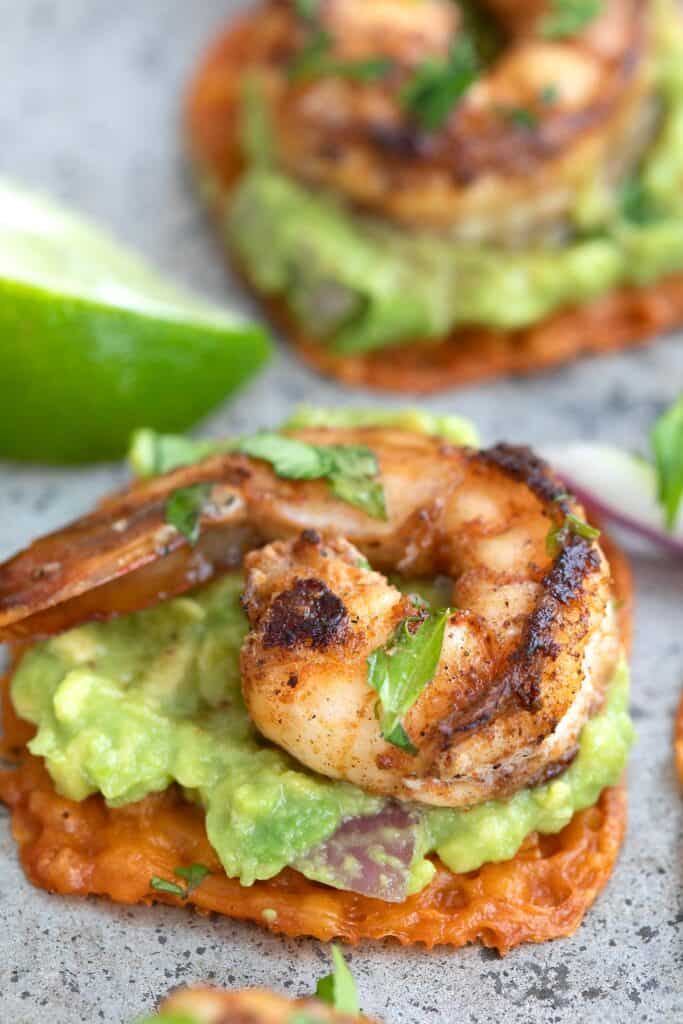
(315, 59)
(349, 469)
(193, 876)
(401, 670)
(339, 988)
(559, 535)
(568, 17)
(549, 94)
(521, 117)
(307, 10)
(152, 454)
(636, 205)
(184, 509)
(163, 885)
(438, 85)
(666, 439)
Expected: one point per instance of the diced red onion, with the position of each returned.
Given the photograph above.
(621, 487)
(371, 855)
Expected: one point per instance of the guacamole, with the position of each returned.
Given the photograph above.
(358, 284)
(124, 708)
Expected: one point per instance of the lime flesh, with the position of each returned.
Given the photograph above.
(94, 342)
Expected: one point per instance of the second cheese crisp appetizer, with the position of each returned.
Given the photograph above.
(335, 1002)
(429, 192)
(344, 680)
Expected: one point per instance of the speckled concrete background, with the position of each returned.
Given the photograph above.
(88, 110)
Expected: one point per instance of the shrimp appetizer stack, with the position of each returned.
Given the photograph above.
(350, 680)
(428, 192)
(211, 1006)
(336, 1002)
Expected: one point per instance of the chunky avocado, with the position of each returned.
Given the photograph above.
(124, 708)
(358, 284)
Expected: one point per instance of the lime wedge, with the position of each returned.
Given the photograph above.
(94, 342)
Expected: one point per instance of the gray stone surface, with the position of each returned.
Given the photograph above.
(89, 111)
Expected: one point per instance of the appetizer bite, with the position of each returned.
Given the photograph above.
(253, 1006)
(427, 193)
(351, 679)
(335, 1002)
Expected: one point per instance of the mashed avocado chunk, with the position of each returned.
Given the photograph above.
(360, 285)
(127, 707)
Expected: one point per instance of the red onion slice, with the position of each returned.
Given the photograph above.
(620, 486)
(371, 855)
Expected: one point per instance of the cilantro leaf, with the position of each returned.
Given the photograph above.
(349, 469)
(568, 17)
(666, 439)
(361, 492)
(313, 63)
(339, 988)
(152, 454)
(636, 205)
(290, 459)
(314, 60)
(307, 10)
(303, 1017)
(438, 85)
(193, 875)
(521, 117)
(549, 94)
(401, 670)
(559, 535)
(184, 509)
(163, 885)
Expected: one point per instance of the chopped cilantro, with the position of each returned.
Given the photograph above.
(315, 59)
(559, 535)
(339, 988)
(549, 94)
(569, 17)
(521, 117)
(163, 885)
(667, 444)
(400, 670)
(438, 85)
(184, 509)
(349, 469)
(636, 206)
(193, 877)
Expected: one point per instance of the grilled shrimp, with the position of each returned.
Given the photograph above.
(544, 119)
(526, 657)
(253, 1006)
